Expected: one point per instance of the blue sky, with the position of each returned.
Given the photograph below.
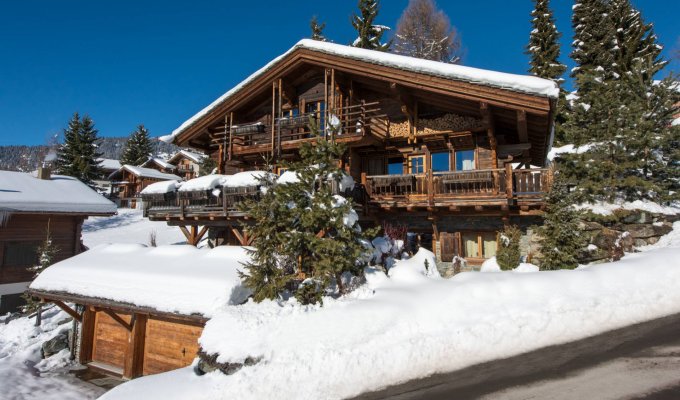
(158, 62)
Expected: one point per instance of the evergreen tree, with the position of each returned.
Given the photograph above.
(138, 147)
(592, 42)
(46, 253)
(424, 31)
(206, 166)
(561, 237)
(369, 35)
(302, 227)
(508, 255)
(78, 155)
(317, 29)
(544, 50)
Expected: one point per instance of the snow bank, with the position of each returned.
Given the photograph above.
(490, 265)
(179, 279)
(414, 269)
(603, 208)
(20, 191)
(521, 83)
(244, 179)
(207, 182)
(394, 331)
(161, 187)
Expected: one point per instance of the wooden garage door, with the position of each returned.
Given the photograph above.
(169, 345)
(110, 341)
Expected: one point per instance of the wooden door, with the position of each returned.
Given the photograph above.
(110, 342)
(446, 241)
(169, 345)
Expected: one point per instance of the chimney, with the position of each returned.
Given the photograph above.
(44, 173)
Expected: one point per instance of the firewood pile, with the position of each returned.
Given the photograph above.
(445, 123)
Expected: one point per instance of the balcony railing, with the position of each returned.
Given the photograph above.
(524, 184)
(184, 204)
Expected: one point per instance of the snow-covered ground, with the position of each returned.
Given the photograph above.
(410, 326)
(129, 226)
(23, 373)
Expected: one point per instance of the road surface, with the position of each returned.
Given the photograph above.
(638, 362)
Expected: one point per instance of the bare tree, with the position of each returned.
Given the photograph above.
(424, 31)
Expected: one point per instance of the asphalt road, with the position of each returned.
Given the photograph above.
(637, 362)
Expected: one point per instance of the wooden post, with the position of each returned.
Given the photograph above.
(87, 335)
(231, 139)
(522, 131)
(220, 162)
(273, 124)
(508, 180)
(279, 114)
(134, 360)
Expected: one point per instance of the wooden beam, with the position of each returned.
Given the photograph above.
(118, 319)
(73, 313)
(87, 335)
(238, 235)
(185, 232)
(522, 131)
(200, 235)
(134, 361)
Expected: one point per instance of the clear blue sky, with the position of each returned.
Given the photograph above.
(158, 62)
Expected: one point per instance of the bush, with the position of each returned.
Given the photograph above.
(508, 256)
(309, 292)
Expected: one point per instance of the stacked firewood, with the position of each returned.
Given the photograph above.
(445, 123)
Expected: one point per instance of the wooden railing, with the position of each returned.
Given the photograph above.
(184, 204)
(459, 185)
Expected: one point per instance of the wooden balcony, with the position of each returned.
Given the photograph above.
(492, 187)
(197, 205)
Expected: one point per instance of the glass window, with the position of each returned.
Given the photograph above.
(489, 243)
(417, 165)
(471, 245)
(440, 161)
(20, 254)
(395, 166)
(465, 160)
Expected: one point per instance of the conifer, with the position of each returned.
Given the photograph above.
(78, 155)
(317, 29)
(369, 34)
(138, 147)
(46, 253)
(508, 255)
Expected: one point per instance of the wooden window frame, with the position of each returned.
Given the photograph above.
(414, 156)
(480, 244)
(451, 159)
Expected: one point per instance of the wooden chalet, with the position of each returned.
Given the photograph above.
(452, 152)
(159, 165)
(130, 180)
(31, 206)
(140, 310)
(187, 163)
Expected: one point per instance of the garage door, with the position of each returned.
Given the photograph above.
(110, 342)
(169, 345)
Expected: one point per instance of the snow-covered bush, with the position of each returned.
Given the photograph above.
(508, 256)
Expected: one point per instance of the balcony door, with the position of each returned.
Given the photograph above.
(417, 165)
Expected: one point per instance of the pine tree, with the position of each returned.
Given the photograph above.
(206, 166)
(138, 147)
(78, 155)
(424, 31)
(508, 255)
(544, 50)
(592, 42)
(317, 29)
(369, 35)
(46, 253)
(561, 237)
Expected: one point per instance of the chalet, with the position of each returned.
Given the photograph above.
(159, 165)
(107, 166)
(141, 309)
(187, 163)
(131, 180)
(452, 152)
(31, 206)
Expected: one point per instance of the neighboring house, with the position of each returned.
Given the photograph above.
(432, 145)
(187, 163)
(143, 308)
(108, 166)
(31, 206)
(160, 165)
(130, 180)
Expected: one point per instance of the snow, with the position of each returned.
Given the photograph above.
(569, 149)
(603, 208)
(244, 179)
(195, 157)
(521, 83)
(161, 187)
(146, 173)
(526, 267)
(109, 164)
(413, 269)
(22, 192)
(178, 279)
(207, 182)
(288, 177)
(160, 162)
(128, 226)
(394, 330)
(490, 265)
(24, 375)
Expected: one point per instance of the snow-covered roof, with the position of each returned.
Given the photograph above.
(242, 179)
(195, 157)
(520, 83)
(146, 173)
(175, 279)
(206, 182)
(109, 164)
(161, 187)
(22, 192)
(159, 161)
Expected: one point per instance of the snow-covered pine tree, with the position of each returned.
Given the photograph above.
(78, 155)
(424, 31)
(138, 147)
(46, 253)
(561, 236)
(592, 42)
(317, 29)
(369, 35)
(544, 50)
(508, 255)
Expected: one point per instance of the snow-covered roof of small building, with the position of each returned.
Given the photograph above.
(195, 157)
(109, 164)
(22, 192)
(161, 187)
(177, 279)
(520, 83)
(145, 173)
(206, 182)
(158, 161)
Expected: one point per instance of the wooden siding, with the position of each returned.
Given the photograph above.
(169, 345)
(111, 340)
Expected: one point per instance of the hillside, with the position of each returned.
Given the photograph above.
(26, 158)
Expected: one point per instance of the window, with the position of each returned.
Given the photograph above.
(440, 161)
(20, 254)
(465, 160)
(479, 244)
(318, 108)
(395, 166)
(416, 165)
